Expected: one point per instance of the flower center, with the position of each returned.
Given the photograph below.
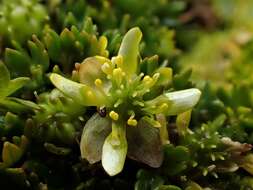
(125, 94)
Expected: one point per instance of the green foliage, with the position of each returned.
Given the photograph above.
(20, 19)
(115, 18)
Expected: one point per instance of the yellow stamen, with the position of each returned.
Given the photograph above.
(114, 115)
(118, 60)
(132, 122)
(117, 72)
(106, 68)
(148, 81)
(98, 82)
(117, 76)
(147, 78)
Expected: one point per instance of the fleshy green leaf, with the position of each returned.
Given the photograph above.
(183, 120)
(8, 86)
(175, 159)
(129, 50)
(168, 187)
(12, 153)
(14, 106)
(17, 61)
(144, 144)
(115, 150)
(247, 163)
(164, 135)
(193, 186)
(94, 134)
(4, 75)
(13, 86)
(26, 103)
(53, 43)
(80, 93)
(182, 100)
(57, 150)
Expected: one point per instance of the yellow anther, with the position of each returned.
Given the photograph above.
(132, 122)
(106, 68)
(117, 75)
(102, 59)
(118, 60)
(148, 80)
(114, 115)
(117, 72)
(98, 82)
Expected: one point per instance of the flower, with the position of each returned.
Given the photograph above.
(133, 102)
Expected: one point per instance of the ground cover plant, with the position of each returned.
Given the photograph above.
(126, 94)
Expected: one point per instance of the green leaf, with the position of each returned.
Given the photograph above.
(67, 39)
(53, 43)
(38, 53)
(17, 61)
(4, 75)
(144, 144)
(13, 106)
(13, 86)
(94, 134)
(57, 150)
(182, 100)
(175, 159)
(193, 186)
(115, 150)
(80, 93)
(147, 180)
(168, 187)
(129, 50)
(8, 86)
(164, 135)
(29, 104)
(182, 122)
(11, 153)
(247, 163)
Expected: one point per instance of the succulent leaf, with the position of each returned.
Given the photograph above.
(7, 86)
